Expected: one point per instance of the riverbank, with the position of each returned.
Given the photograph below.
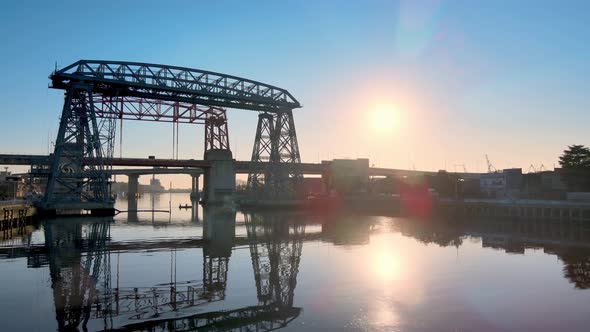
(522, 209)
(427, 205)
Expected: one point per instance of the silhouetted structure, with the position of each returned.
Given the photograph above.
(97, 93)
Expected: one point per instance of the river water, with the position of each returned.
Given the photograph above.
(226, 270)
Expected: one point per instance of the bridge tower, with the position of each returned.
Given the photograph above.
(276, 143)
(261, 152)
(216, 133)
(219, 181)
(78, 172)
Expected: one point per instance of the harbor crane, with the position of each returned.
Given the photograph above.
(491, 168)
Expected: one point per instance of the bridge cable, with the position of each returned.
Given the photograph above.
(173, 139)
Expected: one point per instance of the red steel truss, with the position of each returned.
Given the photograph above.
(143, 109)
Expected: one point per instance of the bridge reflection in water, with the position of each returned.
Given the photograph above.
(82, 278)
(83, 262)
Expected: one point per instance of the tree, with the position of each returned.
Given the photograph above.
(575, 162)
(576, 156)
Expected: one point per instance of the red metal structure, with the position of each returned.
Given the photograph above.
(145, 109)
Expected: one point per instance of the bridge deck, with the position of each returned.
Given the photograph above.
(241, 167)
(157, 170)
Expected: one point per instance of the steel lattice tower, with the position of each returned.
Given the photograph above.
(216, 133)
(78, 173)
(261, 152)
(276, 143)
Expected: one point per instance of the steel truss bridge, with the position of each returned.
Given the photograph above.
(86, 294)
(100, 93)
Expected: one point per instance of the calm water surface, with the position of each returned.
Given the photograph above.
(225, 270)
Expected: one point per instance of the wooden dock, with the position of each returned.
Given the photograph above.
(14, 218)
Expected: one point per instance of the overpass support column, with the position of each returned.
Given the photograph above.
(195, 187)
(220, 178)
(327, 177)
(132, 187)
(195, 197)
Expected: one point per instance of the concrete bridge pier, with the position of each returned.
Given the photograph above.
(220, 178)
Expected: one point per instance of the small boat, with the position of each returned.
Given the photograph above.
(185, 206)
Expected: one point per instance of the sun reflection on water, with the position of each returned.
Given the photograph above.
(386, 266)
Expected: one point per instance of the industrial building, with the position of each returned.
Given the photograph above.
(503, 184)
(11, 186)
(349, 176)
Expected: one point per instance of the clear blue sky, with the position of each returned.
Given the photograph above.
(506, 78)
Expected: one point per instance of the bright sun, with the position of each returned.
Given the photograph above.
(384, 117)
